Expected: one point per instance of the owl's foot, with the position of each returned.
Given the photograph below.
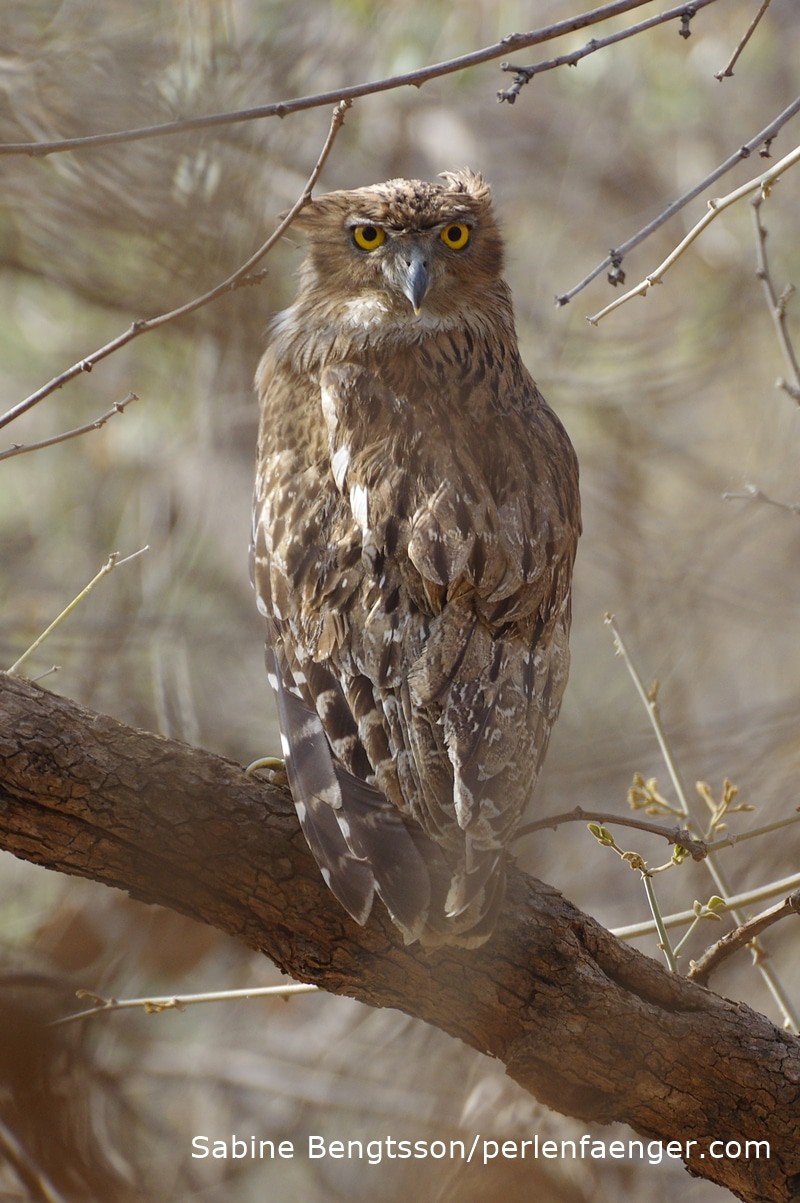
(275, 769)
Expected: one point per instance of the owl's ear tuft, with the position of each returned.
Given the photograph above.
(468, 181)
(309, 214)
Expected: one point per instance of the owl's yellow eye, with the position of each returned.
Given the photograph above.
(456, 236)
(369, 238)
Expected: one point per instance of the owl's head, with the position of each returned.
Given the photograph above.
(404, 251)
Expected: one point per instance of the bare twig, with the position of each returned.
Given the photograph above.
(525, 74)
(761, 183)
(54, 668)
(143, 326)
(615, 256)
(655, 910)
(740, 837)
(650, 703)
(751, 492)
(732, 941)
(777, 304)
(31, 1176)
(702, 911)
(177, 1002)
(681, 918)
(673, 835)
(24, 448)
(727, 70)
(111, 563)
(511, 43)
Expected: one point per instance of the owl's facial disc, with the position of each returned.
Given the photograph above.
(409, 271)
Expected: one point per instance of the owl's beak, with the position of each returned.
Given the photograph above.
(414, 277)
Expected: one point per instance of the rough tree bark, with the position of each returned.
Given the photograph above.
(590, 1026)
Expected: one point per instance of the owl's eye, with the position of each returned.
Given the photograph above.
(456, 236)
(369, 238)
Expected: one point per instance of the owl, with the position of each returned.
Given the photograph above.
(415, 524)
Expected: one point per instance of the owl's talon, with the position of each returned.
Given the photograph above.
(275, 766)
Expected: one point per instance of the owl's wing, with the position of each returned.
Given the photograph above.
(356, 836)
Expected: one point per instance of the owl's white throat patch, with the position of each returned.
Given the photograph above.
(370, 313)
(365, 312)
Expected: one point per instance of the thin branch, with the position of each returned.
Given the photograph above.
(30, 1175)
(777, 305)
(54, 668)
(727, 70)
(773, 889)
(751, 492)
(650, 704)
(525, 74)
(701, 970)
(615, 256)
(658, 919)
(717, 205)
(142, 326)
(24, 448)
(729, 841)
(513, 42)
(707, 911)
(111, 563)
(177, 1002)
(673, 835)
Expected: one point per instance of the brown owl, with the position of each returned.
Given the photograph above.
(416, 518)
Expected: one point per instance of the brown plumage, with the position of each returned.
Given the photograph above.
(416, 517)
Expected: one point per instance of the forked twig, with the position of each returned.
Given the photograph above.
(525, 74)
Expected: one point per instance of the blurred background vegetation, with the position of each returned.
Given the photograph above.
(670, 402)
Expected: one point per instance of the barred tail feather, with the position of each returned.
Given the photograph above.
(358, 839)
(317, 798)
(375, 830)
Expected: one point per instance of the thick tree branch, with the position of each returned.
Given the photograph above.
(589, 1025)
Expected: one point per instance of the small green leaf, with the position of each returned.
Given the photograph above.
(601, 834)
